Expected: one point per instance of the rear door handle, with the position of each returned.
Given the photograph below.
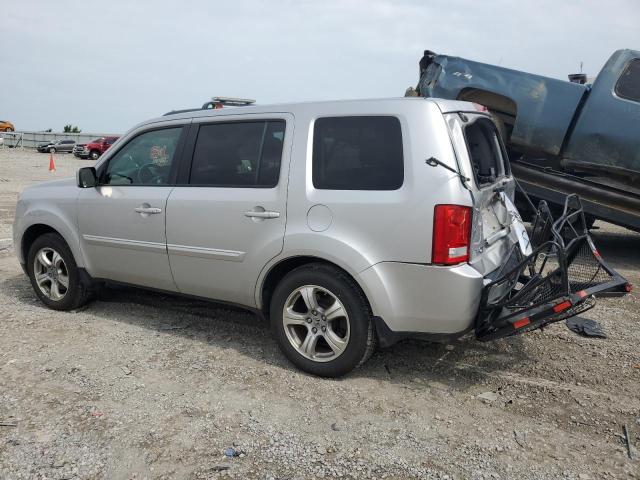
(258, 214)
(148, 210)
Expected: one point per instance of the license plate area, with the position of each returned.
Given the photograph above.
(559, 279)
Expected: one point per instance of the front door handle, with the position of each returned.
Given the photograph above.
(261, 214)
(148, 210)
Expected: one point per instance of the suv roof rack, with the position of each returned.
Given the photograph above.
(217, 102)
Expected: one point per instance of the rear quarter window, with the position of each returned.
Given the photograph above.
(628, 85)
(358, 153)
(485, 151)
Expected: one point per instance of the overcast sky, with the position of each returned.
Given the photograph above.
(107, 65)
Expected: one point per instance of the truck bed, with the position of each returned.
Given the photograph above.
(605, 201)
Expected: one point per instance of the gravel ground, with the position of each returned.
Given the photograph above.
(143, 385)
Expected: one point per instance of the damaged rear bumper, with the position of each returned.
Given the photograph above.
(560, 279)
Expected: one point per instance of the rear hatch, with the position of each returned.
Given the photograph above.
(497, 227)
(529, 281)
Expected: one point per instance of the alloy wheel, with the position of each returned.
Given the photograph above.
(51, 274)
(316, 323)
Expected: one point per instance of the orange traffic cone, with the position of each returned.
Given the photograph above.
(52, 163)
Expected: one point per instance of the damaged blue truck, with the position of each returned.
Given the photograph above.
(563, 137)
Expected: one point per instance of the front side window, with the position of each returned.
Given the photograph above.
(240, 154)
(145, 160)
(628, 85)
(358, 153)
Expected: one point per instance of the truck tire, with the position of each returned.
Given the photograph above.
(94, 155)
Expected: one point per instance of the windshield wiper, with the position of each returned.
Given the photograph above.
(434, 162)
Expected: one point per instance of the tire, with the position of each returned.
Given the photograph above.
(94, 155)
(352, 334)
(52, 150)
(78, 291)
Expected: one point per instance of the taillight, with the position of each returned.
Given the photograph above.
(451, 234)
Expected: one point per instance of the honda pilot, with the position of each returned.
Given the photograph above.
(347, 223)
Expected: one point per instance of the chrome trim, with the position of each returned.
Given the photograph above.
(208, 253)
(257, 214)
(125, 243)
(149, 210)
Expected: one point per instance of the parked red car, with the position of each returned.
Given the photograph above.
(94, 149)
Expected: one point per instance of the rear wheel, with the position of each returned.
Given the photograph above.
(54, 274)
(322, 321)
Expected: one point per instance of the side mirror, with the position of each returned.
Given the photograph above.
(87, 177)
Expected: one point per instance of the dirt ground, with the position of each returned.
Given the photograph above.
(142, 385)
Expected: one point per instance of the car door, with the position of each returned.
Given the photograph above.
(611, 146)
(228, 220)
(122, 220)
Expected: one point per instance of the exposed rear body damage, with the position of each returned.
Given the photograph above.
(559, 279)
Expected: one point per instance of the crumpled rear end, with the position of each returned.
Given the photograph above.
(559, 279)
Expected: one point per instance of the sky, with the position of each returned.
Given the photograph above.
(106, 66)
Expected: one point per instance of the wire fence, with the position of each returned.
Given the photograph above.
(31, 139)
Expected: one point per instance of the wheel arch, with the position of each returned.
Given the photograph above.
(501, 105)
(276, 272)
(32, 233)
(37, 229)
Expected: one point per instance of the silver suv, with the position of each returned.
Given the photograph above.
(347, 223)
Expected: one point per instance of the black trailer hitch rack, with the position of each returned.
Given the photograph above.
(559, 279)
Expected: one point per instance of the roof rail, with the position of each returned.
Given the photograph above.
(231, 101)
(217, 102)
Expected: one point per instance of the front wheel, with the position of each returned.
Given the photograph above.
(94, 155)
(322, 321)
(52, 150)
(54, 274)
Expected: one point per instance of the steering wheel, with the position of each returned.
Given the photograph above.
(130, 160)
(148, 174)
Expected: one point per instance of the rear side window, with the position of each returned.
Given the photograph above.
(628, 85)
(240, 154)
(357, 153)
(484, 150)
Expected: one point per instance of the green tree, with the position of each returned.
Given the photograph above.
(71, 129)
